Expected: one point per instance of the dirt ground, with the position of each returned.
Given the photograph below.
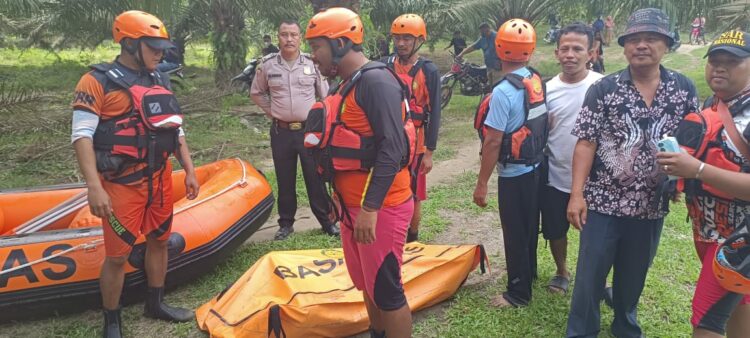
(466, 159)
(687, 49)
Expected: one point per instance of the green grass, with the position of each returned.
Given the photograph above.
(191, 295)
(34, 139)
(35, 150)
(664, 310)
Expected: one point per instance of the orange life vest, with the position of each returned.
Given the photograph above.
(420, 115)
(338, 148)
(146, 135)
(702, 135)
(526, 144)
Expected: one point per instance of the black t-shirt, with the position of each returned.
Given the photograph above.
(459, 44)
(379, 95)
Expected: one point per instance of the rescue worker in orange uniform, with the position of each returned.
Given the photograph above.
(123, 152)
(409, 33)
(716, 139)
(377, 204)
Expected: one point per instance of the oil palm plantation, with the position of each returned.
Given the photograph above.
(56, 24)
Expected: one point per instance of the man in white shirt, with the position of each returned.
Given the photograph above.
(565, 95)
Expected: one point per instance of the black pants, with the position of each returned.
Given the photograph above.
(286, 147)
(519, 215)
(628, 246)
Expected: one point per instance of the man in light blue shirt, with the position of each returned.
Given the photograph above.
(518, 183)
(486, 43)
(507, 115)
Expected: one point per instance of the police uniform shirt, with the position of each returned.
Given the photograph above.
(287, 91)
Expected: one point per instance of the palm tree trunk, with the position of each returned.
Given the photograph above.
(228, 40)
(319, 5)
(180, 41)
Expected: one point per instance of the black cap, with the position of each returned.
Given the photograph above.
(647, 20)
(734, 42)
(158, 43)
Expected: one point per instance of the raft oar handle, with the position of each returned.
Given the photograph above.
(43, 220)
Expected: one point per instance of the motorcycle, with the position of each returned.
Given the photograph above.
(551, 36)
(248, 74)
(175, 72)
(471, 77)
(697, 35)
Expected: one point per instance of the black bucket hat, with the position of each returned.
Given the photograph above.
(734, 42)
(651, 20)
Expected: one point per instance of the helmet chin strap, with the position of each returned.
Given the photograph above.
(414, 50)
(134, 49)
(337, 51)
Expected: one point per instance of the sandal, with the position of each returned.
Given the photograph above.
(559, 284)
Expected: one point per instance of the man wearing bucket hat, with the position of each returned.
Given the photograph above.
(615, 199)
(717, 212)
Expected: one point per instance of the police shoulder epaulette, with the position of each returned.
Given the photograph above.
(268, 57)
(306, 55)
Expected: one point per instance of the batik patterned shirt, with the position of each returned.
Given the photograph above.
(624, 178)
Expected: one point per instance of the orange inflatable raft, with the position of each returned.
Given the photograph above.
(51, 246)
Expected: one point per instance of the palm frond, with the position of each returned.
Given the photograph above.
(12, 94)
(733, 15)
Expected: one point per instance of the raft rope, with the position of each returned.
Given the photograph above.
(86, 246)
(91, 245)
(240, 183)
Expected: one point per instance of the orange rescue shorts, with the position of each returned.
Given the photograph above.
(131, 217)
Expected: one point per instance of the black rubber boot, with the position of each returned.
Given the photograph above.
(112, 324)
(283, 233)
(155, 308)
(376, 334)
(332, 230)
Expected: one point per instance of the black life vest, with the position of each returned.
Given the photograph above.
(335, 147)
(147, 134)
(526, 144)
(703, 136)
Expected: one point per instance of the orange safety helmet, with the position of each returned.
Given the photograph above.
(334, 23)
(515, 41)
(732, 264)
(410, 24)
(138, 24)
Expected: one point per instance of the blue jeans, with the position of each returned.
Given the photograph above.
(626, 244)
